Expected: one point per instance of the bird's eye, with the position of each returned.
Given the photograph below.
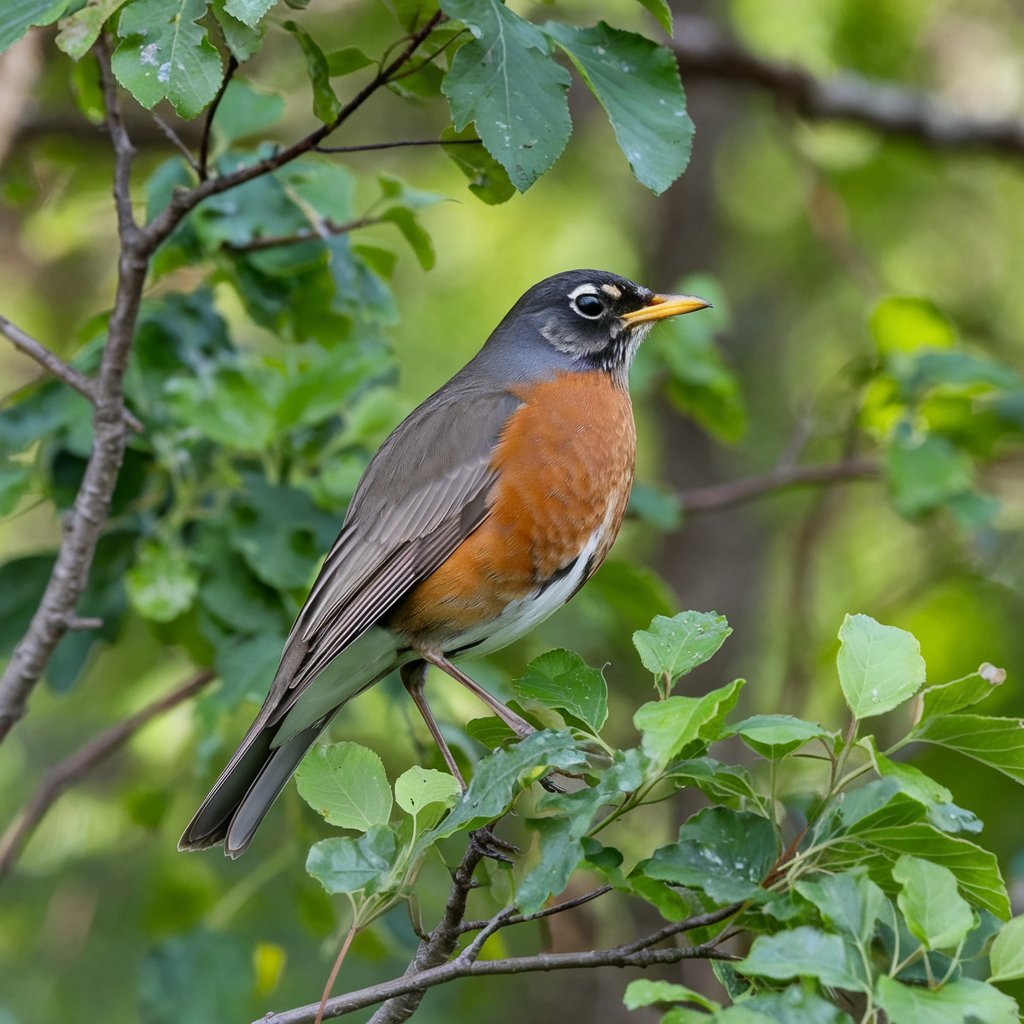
(588, 305)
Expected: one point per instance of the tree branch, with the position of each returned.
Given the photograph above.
(420, 983)
(558, 908)
(63, 371)
(737, 492)
(322, 230)
(84, 523)
(704, 51)
(401, 143)
(202, 165)
(73, 769)
(434, 950)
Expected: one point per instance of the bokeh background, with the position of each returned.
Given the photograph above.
(799, 230)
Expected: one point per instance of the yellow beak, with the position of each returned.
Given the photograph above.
(662, 306)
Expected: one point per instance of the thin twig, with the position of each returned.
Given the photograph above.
(321, 230)
(736, 492)
(333, 977)
(557, 908)
(689, 925)
(367, 147)
(704, 51)
(175, 140)
(72, 770)
(202, 164)
(63, 371)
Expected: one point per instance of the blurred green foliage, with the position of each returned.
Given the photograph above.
(865, 288)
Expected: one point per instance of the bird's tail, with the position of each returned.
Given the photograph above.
(273, 747)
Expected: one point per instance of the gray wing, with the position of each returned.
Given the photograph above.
(425, 490)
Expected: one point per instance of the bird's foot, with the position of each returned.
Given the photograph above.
(487, 844)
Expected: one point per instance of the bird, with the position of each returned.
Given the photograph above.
(483, 512)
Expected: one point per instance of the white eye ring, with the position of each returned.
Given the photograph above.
(580, 302)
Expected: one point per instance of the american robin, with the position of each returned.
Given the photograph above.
(486, 509)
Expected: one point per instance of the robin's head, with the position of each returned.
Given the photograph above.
(596, 317)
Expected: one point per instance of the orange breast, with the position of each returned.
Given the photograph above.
(565, 464)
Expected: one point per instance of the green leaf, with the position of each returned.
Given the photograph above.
(279, 532)
(996, 742)
(498, 778)
(805, 952)
(908, 324)
(942, 812)
(243, 42)
(162, 584)
(488, 180)
(506, 81)
(165, 54)
(976, 869)
(326, 105)
(878, 803)
(20, 15)
(414, 233)
(200, 977)
(946, 698)
(15, 480)
(721, 782)
(563, 680)
(491, 732)
(675, 646)
(246, 665)
(420, 787)
(248, 12)
(725, 853)
(936, 914)
(965, 1001)
(879, 666)
(794, 1005)
(661, 12)
(670, 725)
(925, 473)
(849, 902)
(637, 83)
(644, 992)
(244, 111)
(345, 61)
(78, 31)
(229, 406)
(777, 735)
(1006, 956)
(346, 783)
(354, 864)
(561, 845)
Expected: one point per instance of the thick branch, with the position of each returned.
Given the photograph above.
(73, 769)
(45, 358)
(736, 492)
(84, 524)
(617, 957)
(704, 51)
(435, 949)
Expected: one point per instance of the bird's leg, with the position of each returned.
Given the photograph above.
(519, 725)
(414, 675)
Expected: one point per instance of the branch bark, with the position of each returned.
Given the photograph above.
(704, 51)
(28, 345)
(69, 772)
(619, 956)
(737, 492)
